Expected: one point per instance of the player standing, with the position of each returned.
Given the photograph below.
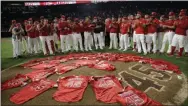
(98, 38)
(180, 32)
(124, 30)
(160, 33)
(152, 33)
(77, 38)
(113, 34)
(169, 32)
(32, 41)
(139, 26)
(62, 27)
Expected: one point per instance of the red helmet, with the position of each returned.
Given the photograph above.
(75, 19)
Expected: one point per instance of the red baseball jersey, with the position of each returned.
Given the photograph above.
(31, 90)
(85, 62)
(17, 81)
(87, 26)
(71, 88)
(77, 28)
(152, 28)
(40, 74)
(181, 27)
(106, 88)
(113, 27)
(69, 30)
(124, 28)
(169, 23)
(63, 68)
(44, 31)
(160, 29)
(140, 26)
(103, 65)
(62, 26)
(31, 33)
(42, 66)
(133, 97)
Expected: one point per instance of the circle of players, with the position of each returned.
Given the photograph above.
(145, 33)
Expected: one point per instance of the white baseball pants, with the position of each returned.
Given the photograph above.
(178, 40)
(167, 37)
(159, 40)
(25, 44)
(103, 39)
(186, 42)
(69, 43)
(44, 39)
(32, 45)
(113, 40)
(88, 40)
(77, 38)
(98, 40)
(124, 41)
(140, 42)
(38, 44)
(151, 38)
(16, 46)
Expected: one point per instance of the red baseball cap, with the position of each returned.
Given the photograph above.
(183, 10)
(171, 14)
(138, 12)
(153, 13)
(95, 17)
(75, 19)
(182, 14)
(41, 17)
(162, 16)
(13, 21)
(18, 25)
(30, 19)
(62, 16)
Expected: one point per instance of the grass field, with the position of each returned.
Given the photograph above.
(7, 61)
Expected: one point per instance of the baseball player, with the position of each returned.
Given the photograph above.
(139, 26)
(55, 33)
(77, 38)
(17, 32)
(113, 34)
(32, 41)
(44, 31)
(160, 33)
(69, 35)
(119, 34)
(124, 30)
(107, 31)
(62, 27)
(130, 38)
(169, 32)
(98, 38)
(87, 34)
(181, 26)
(25, 39)
(151, 36)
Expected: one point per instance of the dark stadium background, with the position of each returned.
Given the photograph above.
(16, 10)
